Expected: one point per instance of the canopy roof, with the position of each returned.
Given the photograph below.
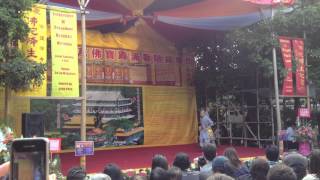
(175, 19)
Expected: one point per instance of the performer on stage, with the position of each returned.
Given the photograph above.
(206, 133)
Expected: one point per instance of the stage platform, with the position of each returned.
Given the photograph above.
(140, 157)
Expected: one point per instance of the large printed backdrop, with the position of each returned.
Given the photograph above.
(148, 115)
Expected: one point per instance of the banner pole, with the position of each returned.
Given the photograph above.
(276, 87)
(83, 4)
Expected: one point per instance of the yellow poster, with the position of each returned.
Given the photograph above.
(169, 115)
(35, 46)
(64, 51)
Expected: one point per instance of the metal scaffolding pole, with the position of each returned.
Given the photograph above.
(276, 87)
(83, 4)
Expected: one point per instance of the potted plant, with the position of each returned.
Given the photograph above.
(305, 135)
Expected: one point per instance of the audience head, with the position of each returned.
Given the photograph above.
(76, 173)
(182, 161)
(100, 176)
(159, 161)
(218, 164)
(201, 162)
(209, 151)
(138, 177)
(281, 172)
(272, 153)
(298, 163)
(232, 155)
(259, 169)
(113, 171)
(220, 177)
(159, 174)
(314, 163)
(175, 173)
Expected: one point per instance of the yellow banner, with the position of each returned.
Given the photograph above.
(35, 46)
(65, 75)
(169, 115)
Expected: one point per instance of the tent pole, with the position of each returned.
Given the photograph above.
(83, 4)
(275, 75)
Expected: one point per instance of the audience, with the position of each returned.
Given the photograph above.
(182, 161)
(236, 164)
(272, 154)
(281, 172)
(220, 165)
(175, 173)
(209, 153)
(227, 167)
(113, 171)
(159, 161)
(138, 177)
(219, 176)
(100, 177)
(314, 166)
(298, 163)
(76, 173)
(201, 162)
(159, 174)
(258, 171)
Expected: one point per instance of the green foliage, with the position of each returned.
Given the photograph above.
(223, 61)
(16, 71)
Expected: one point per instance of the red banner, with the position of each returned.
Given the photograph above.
(285, 45)
(298, 48)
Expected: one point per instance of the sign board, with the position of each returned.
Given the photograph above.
(84, 148)
(54, 144)
(304, 112)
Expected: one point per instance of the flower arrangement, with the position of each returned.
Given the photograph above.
(305, 133)
(6, 137)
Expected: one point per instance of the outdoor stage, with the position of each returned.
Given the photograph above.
(135, 158)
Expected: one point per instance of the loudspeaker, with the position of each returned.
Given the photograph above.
(32, 124)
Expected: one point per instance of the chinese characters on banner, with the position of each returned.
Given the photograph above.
(298, 48)
(119, 66)
(35, 46)
(65, 75)
(285, 45)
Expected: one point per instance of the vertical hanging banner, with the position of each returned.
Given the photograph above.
(65, 75)
(298, 48)
(285, 45)
(35, 46)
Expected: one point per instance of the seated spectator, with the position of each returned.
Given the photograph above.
(238, 168)
(182, 161)
(219, 176)
(259, 170)
(76, 173)
(159, 174)
(159, 161)
(220, 164)
(113, 171)
(175, 173)
(209, 153)
(272, 154)
(281, 172)
(298, 163)
(100, 176)
(201, 162)
(138, 177)
(314, 166)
